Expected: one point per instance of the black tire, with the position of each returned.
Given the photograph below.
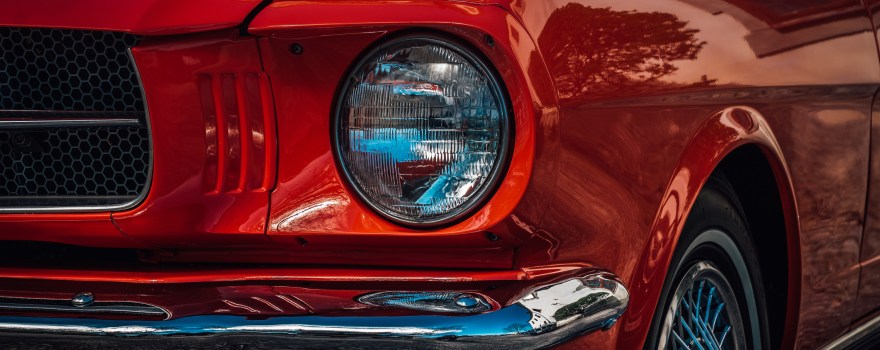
(715, 249)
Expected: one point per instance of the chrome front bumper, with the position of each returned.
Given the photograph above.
(547, 316)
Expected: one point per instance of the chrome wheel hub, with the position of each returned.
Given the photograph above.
(703, 313)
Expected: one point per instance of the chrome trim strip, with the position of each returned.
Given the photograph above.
(545, 317)
(853, 336)
(29, 113)
(143, 195)
(61, 197)
(47, 305)
(55, 123)
(99, 208)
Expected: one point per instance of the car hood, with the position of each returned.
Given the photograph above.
(145, 17)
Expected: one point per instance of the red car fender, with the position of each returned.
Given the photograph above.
(719, 135)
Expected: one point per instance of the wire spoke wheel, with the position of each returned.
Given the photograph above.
(703, 314)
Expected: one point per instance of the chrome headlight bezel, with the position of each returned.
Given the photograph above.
(506, 126)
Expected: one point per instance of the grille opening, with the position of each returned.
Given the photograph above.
(70, 70)
(73, 126)
(86, 166)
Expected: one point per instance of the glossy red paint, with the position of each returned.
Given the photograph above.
(607, 127)
(266, 292)
(678, 113)
(718, 136)
(146, 17)
(869, 285)
(202, 91)
(94, 229)
(868, 304)
(609, 154)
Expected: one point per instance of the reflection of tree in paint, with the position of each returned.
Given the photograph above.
(598, 51)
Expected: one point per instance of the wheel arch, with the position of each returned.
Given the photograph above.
(738, 142)
(749, 170)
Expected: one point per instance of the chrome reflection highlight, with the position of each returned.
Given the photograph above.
(81, 304)
(82, 299)
(452, 302)
(591, 298)
(422, 131)
(547, 316)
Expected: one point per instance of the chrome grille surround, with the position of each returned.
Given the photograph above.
(74, 130)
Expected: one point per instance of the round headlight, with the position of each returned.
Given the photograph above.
(422, 131)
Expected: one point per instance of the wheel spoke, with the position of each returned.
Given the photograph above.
(699, 297)
(707, 336)
(694, 339)
(724, 336)
(680, 324)
(679, 341)
(709, 306)
(717, 313)
(700, 318)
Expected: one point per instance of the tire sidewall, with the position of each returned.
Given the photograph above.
(716, 232)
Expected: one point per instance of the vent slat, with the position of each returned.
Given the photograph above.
(242, 114)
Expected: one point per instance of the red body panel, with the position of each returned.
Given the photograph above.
(613, 144)
(208, 106)
(657, 122)
(147, 17)
(869, 278)
(96, 229)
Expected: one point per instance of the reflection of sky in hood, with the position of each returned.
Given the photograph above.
(727, 55)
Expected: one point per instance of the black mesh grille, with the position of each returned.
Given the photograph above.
(70, 74)
(56, 69)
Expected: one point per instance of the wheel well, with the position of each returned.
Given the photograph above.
(754, 182)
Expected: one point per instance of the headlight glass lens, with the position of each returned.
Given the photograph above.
(422, 131)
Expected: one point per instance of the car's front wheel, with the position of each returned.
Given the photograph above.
(712, 297)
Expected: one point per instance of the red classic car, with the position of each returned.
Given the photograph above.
(610, 174)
